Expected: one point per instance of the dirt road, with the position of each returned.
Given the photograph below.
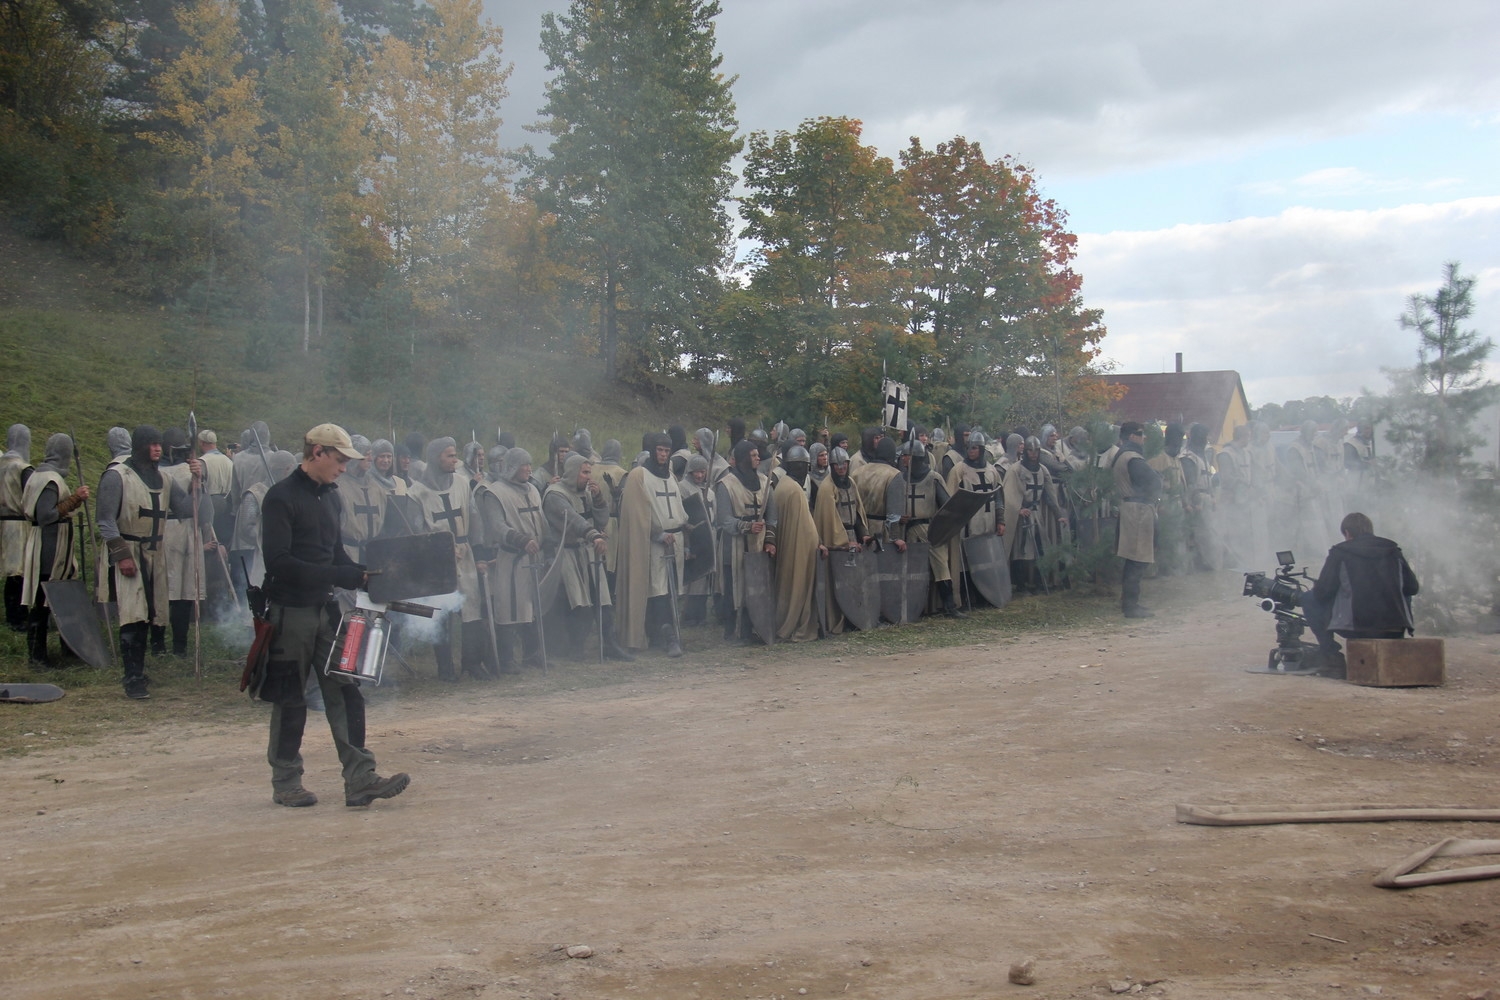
(905, 827)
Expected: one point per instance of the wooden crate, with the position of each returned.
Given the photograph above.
(1395, 662)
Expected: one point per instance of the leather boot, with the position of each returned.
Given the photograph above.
(158, 640)
(15, 611)
(475, 655)
(133, 656)
(612, 648)
(442, 652)
(950, 607)
(36, 636)
(669, 639)
(180, 614)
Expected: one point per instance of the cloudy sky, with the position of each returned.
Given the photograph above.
(1258, 186)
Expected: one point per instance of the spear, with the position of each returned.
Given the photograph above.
(196, 549)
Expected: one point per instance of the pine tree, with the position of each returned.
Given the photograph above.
(642, 132)
(1432, 405)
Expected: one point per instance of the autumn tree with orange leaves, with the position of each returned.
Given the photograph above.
(994, 288)
(951, 274)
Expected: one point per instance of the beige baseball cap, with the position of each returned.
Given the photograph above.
(208, 437)
(333, 436)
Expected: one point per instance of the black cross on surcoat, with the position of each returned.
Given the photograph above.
(451, 514)
(666, 493)
(156, 516)
(369, 510)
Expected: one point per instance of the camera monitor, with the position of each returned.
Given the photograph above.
(1285, 558)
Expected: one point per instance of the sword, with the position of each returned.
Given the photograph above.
(672, 592)
(541, 633)
(489, 617)
(599, 603)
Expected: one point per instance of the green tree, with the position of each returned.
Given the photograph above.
(208, 131)
(993, 284)
(825, 300)
(58, 169)
(1432, 405)
(315, 146)
(642, 130)
(438, 173)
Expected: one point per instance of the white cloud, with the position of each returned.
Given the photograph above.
(1302, 303)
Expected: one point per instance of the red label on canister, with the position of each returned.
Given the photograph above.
(354, 639)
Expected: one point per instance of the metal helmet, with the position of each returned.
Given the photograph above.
(914, 448)
(976, 439)
(1033, 443)
(797, 453)
(938, 437)
(759, 434)
(838, 456)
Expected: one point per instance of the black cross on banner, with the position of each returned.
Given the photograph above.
(451, 514)
(369, 511)
(157, 516)
(894, 398)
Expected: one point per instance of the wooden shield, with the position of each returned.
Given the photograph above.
(903, 582)
(700, 560)
(412, 566)
(988, 568)
(856, 586)
(956, 513)
(760, 595)
(78, 621)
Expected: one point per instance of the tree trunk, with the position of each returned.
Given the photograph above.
(609, 322)
(306, 309)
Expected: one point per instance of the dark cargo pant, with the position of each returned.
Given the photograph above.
(302, 641)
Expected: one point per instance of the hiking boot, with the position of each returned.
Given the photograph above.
(295, 797)
(378, 788)
(1139, 612)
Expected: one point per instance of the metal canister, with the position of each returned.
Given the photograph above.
(373, 660)
(355, 625)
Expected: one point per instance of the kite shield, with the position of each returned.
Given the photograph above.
(903, 582)
(988, 569)
(760, 595)
(78, 622)
(856, 586)
(956, 513)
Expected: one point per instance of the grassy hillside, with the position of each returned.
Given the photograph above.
(83, 355)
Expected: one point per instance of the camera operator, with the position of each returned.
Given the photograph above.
(1363, 592)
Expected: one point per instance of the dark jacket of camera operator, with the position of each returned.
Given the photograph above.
(1367, 585)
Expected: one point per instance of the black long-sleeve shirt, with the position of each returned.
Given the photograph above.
(300, 541)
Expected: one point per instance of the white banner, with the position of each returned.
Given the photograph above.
(893, 405)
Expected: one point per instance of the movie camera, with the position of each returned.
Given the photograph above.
(1281, 594)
